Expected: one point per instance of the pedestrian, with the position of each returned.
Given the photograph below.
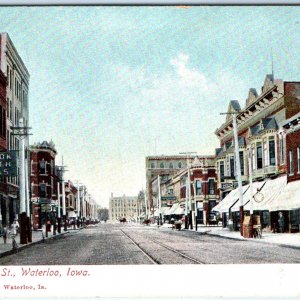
(281, 224)
(14, 228)
(4, 234)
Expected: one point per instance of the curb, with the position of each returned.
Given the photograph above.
(22, 247)
(251, 240)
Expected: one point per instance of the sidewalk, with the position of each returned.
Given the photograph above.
(283, 239)
(37, 237)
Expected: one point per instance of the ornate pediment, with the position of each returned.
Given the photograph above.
(252, 96)
(269, 82)
(233, 107)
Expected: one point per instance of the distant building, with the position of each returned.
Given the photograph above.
(43, 181)
(166, 166)
(122, 207)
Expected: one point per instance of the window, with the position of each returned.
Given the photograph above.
(298, 158)
(272, 152)
(266, 157)
(291, 163)
(43, 190)
(211, 186)
(42, 167)
(222, 171)
(180, 165)
(259, 156)
(52, 185)
(253, 158)
(242, 162)
(232, 166)
(171, 165)
(162, 166)
(281, 149)
(198, 187)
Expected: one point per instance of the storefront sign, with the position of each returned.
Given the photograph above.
(168, 198)
(226, 185)
(8, 163)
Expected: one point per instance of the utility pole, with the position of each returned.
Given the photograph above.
(190, 200)
(159, 201)
(238, 167)
(63, 195)
(58, 206)
(186, 204)
(251, 193)
(196, 209)
(22, 132)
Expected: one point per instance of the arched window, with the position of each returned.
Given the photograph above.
(152, 165)
(171, 165)
(162, 166)
(180, 165)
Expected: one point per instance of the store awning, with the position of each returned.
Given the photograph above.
(270, 192)
(229, 200)
(247, 195)
(289, 198)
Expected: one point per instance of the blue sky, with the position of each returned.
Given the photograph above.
(109, 83)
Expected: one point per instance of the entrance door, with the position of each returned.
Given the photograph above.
(199, 216)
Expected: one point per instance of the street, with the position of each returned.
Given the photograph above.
(118, 244)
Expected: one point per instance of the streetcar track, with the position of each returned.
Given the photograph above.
(154, 260)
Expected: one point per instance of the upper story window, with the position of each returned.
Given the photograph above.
(180, 165)
(152, 165)
(211, 186)
(43, 167)
(272, 160)
(161, 165)
(198, 187)
(259, 162)
(171, 166)
(43, 190)
(281, 149)
(242, 163)
(232, 166)
(291, 171)
(298, 158)
(222, 173)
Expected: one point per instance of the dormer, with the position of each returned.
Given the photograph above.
(233, 106)
(269, 82)
(252, 95)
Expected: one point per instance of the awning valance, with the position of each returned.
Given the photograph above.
(229, 200)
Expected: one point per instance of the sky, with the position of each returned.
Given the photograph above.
(111, 85)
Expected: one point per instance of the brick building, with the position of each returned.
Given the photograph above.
(43, 181)
(122, 207)
(164, 166)
(203, 180)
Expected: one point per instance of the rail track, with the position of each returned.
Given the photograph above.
(155, 260)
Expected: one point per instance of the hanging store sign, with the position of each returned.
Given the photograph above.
(8, 163)
(168, 198)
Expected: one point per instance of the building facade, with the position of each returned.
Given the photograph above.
(17, 89)
(122, 207)
(165, 167)
(257, 124)
(43, 182)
